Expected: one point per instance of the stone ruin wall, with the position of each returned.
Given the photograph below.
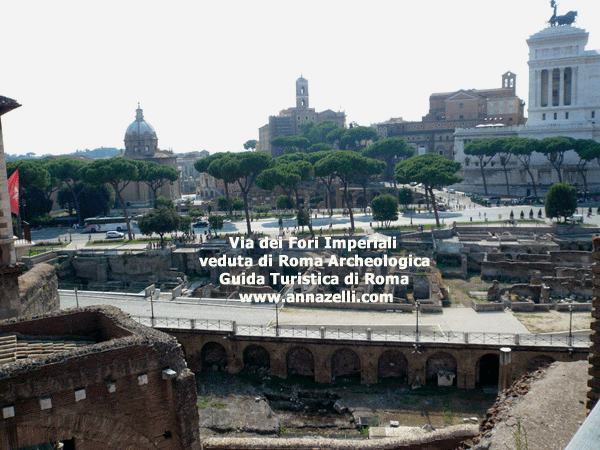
(32, 292)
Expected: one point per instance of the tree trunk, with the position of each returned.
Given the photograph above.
(348, 206)
(228, 200)
(435, 211)
(155, 195)
(485, 191)
(297, 198)
(506, 179)
(532, 180)
(585, 188)
(122, 203)
(365, 195)
(245, 196)
(76, 201)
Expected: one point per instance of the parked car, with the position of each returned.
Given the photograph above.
(200, 224)
(114, 235)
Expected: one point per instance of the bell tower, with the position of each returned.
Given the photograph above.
(509, 81)
(301, 92)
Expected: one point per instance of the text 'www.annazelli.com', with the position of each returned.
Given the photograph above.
(341, 297)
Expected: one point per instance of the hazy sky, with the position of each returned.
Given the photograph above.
(209, 73)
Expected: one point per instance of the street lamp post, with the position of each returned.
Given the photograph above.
(570, 325)
(417, 307)
(152, 308)
(276, 319)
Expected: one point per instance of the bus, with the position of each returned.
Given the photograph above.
(101, 224)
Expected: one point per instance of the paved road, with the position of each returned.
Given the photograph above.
(484, 328)
(186, 309)
(452, 319)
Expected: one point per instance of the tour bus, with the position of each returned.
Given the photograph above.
(102, 224)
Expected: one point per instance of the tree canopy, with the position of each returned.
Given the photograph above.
(561, 200)
(156, 175)
(554, 148)
(291, 144)
(160, 221)
(244, 168)
(118, 173)
(431, 169)
(523, 149)
(68, 171)
(214, 166)
(345, 165)
(389, 150)
(385, 209)
(357, 138)
(484, 150)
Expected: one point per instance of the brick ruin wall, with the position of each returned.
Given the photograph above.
(126, 402)
(594, 368)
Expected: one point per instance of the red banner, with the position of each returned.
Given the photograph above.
(13, 192)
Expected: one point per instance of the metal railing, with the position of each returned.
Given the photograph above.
(368, 334)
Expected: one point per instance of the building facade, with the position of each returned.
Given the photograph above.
(564, 100)
(288, 122)
(141, 143)
(202, 185)
(460, 109)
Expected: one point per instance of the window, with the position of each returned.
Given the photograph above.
(567, 115)
(461, 105)
(80, 395)
(593, 114)
(544, 88)
(555, 86)
(8, 411)
(567, 86)
(543, 116)
(555, 116)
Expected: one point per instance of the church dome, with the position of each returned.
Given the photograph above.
(140, 137)
(139, 127)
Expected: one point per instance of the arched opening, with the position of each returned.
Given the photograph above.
(438, 364)
(489, 370)
(256, 359)
(538, 362)
(392, 364)
(345, 364)
(213, 356)
(361, 202)
(300, 361)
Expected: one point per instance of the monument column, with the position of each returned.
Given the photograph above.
(10, 302)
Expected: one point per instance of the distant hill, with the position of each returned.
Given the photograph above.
(97, 153)
(102, 152)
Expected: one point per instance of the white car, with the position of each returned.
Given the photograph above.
(114, 235)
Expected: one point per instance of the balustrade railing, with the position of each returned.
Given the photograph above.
(368, 334)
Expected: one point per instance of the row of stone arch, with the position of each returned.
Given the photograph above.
(345, 363)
